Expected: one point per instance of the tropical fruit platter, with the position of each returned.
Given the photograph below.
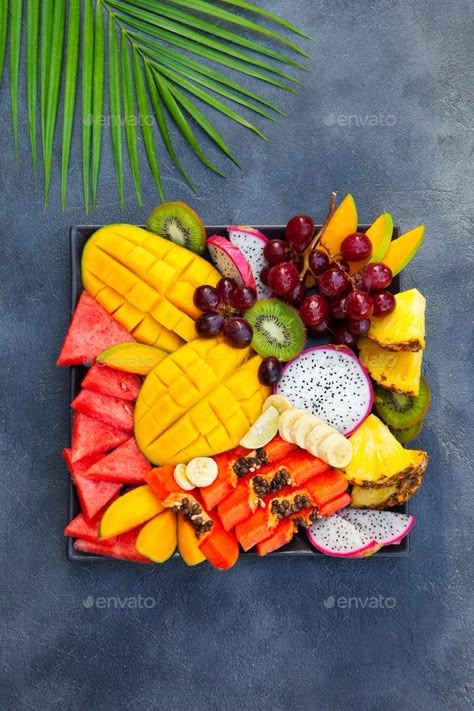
(243, 390)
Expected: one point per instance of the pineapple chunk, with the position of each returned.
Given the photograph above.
(395, 371)
(378, 459)
(381, 497)
(404, 328)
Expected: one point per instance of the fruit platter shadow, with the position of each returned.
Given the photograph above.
(299, 545)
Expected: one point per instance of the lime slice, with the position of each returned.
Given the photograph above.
(263, 430)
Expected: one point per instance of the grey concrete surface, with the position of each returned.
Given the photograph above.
(387, 113)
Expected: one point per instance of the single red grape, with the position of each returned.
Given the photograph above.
(359, 305)
(270, 371)
(206, 298)
(238, 332)
(384, 303)
(338, 307)
(297, 296)
(358, 328)
(321, 329)
(318, 262)
(376, 276)
(299, 233)
(342, 334)
(333, 282)
(243, 298)
(225, 287)
(314, 309)
(275, 252)
(264, 275)
(283, 278)
(356, 247)
(209, 324)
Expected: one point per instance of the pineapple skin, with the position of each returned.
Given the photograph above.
(383, 497)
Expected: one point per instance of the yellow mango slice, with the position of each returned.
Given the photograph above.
(129, 511)
(342, 223)
(380, 235)
(158, 538)
(403, 249)
(135, 358)
(146, 282)
(188, 542)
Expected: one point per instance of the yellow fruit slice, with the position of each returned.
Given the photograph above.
(403, 249)
(380, 235)
(404, 328)
(130, 510)
(336, 450)
(301, 428)
(159, 537)
(400, 371)
(135, 358)
(342, 223)
(279, 402)
(188, 542)
(181, 478)
(263, 430)
(201, 471)
(287, 420)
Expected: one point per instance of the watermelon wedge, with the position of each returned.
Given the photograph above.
(111, 411)
(93, 495)
(91, 331)
(123, 548)
(114, 383)
(91, 437)
(126, 465)
(80, 527)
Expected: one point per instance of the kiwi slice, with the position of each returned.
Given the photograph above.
(179, 223)
(408, 433)
(277, 329)
(399, 410)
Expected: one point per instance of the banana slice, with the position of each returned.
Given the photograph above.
(286, 421)
(302, 427)
(316, 436)
(336, 450)
(279, 402)
(181, 479)
(201, 471)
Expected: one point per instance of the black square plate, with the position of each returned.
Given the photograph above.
(299, 545)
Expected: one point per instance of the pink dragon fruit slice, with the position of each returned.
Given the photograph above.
(251, 243)
(386, 527)
(330, 382)
(230, 261)
(337, 537)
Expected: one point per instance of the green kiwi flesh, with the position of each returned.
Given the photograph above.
(408, 433)
(399, 410)
(179, 223)
(277, 329)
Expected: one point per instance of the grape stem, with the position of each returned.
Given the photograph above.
(317, 237)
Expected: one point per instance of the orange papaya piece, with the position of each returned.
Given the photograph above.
(326, 486)
(220, 547)
(254, 529)
(336, 504)
(282, 535)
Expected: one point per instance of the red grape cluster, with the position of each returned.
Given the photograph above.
(344, 304)
(222, 308)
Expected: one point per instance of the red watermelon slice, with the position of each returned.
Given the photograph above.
(126, 464)
(91, 437)
(80, 527)
(124, 547)
(114, 383)
(91, 331)
(93, 495)
(111, 411)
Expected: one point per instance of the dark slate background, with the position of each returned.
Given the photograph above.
(261, 635)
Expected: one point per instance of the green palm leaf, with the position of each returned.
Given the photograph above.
(15, 45)
(32, 27)
(115, 111)
(184, 54)
(70, 79)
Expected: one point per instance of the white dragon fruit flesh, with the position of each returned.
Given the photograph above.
(337, 537)
(330, 382)
(386, 527)
(251, 243)
(230, 261)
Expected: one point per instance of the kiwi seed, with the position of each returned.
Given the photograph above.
(277, 329)
(400, 410)
(179, 223)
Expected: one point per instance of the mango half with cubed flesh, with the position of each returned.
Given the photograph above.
(146, 282)
(198, 401)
